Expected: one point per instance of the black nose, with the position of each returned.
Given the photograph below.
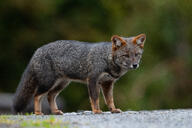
(134, 65)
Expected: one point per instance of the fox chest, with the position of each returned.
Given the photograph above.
(105, 78)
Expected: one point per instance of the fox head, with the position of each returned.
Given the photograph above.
(127, 52)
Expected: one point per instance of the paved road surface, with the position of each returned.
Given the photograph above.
(128, 119)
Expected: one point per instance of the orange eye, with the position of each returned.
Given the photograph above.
(126, 55)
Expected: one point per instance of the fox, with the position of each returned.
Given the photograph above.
(98, 65)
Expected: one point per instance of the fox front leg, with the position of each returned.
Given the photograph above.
(107, 88)
(94, 90)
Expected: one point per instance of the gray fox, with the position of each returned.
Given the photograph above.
(54, 65)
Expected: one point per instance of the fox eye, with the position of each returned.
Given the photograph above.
(126, 55)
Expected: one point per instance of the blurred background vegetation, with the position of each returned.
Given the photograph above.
(164, 79)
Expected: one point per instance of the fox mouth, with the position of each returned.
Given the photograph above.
(130, 66)
(127, 66)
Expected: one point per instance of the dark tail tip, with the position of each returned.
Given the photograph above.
(17, 106)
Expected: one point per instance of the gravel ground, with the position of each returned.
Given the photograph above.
(128, 119)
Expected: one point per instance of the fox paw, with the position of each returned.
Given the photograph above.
(97, 111)
(116, 111)
(38, 113)
(57, 112)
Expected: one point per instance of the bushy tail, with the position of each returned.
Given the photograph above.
(24, 92)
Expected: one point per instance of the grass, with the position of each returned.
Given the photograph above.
(23, 122)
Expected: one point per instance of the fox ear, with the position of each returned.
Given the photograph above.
(117, 42)
(139, 40)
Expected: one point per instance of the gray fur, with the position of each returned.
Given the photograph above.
(74, 60)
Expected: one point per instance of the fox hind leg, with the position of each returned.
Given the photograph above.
(37, 104)
(52, 95)
(41, 91)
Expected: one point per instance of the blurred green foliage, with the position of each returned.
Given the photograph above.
(164, 79)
